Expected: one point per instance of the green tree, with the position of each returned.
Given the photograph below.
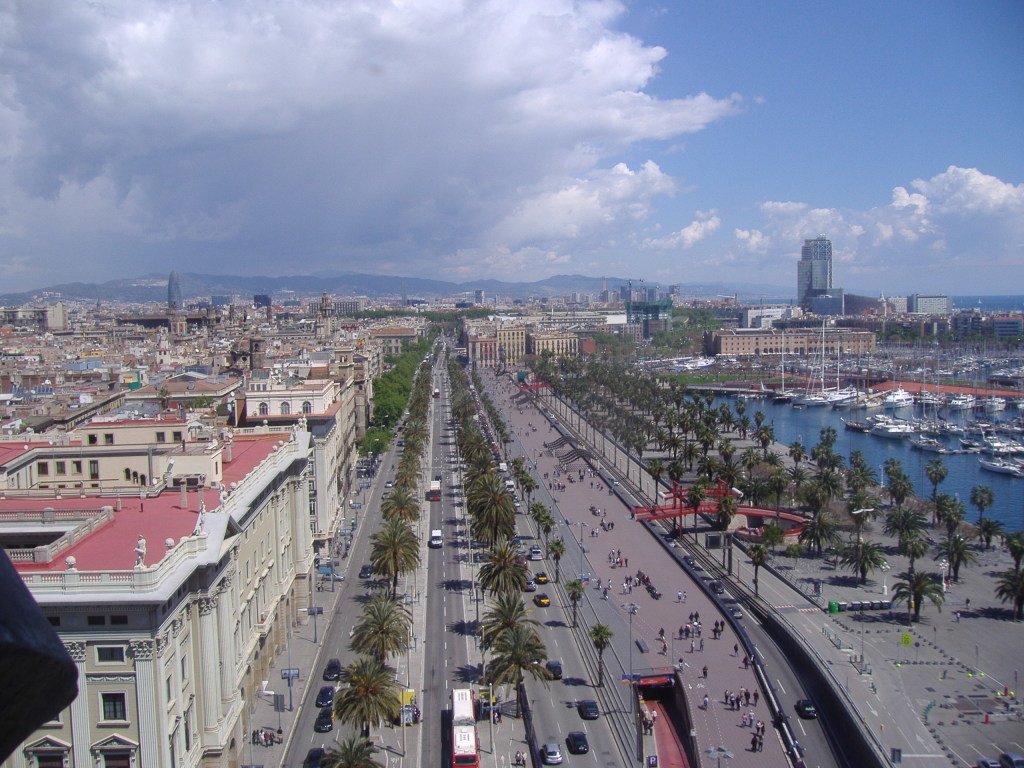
(574, 590)
(758, 554)
(915, 589)
(982, 498)
(773, 536)
(504, 571)
(507, 611)
(383, 627)
(556, 550)
(936, 471)
(518, 650)
(863, 557)
(726, 511)
(958, 552)
(1015, 546)
(820, 532)
(370, 696)
(400, 504)
(394, 551)
(988, 529)
(1010, 589)
(601, 636)
(915, 547)
(353, 752)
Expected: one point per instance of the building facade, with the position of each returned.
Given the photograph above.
(755, 342)
(814, 271)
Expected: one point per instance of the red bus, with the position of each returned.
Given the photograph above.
(465, 748)
(434, 493)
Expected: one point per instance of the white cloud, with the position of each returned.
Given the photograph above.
(245, 135)
(706, 224)
(753, 240)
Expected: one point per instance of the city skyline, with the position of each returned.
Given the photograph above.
(498, 140)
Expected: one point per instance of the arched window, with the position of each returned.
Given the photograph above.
(135, 477)
(285, 409)
(127, 473)
(264, 409)
(307, 407)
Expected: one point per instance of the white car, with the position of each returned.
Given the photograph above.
(536, 554)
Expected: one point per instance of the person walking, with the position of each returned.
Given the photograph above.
(702, 645)
(707, 702)
(705, 671)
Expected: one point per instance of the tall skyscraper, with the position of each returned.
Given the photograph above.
(174, 291)
(814, 272)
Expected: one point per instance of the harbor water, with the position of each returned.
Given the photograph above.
(792, 424)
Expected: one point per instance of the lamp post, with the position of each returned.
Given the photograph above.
(583, 549)
(632, 609)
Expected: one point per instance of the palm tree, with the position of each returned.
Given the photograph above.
(900, 489)
(950, 511)
(353, 752)
(797, 453)
(1015, 546)
(504, 571)
(903, 522)
(958, 552)
(914, 547)
(601, 636)
(492, 508)
(726, 511)
(863, 557)
(694, 498)
(988, 529)
(656, 469)
(936, 472)
(1010, 589)
(982, 497)
(370, 696)
(507, 611)
(394, 551)
(778, 482)
(917, 586)
(556, 550)
(518, 650)
(758, 554)
(820, 532)
(574, 590)
(383, 628)
(400, 504)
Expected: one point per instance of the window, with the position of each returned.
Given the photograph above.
(161, 437)
(114, 707)
(119, 619)
(54, 620)
(184, 667)
(110, 654)
(94, 440)
(61, 468)
(120, 758)
(77, 467)
(178, 436)
(264, 409)
(108, 438)
(97, 621)
(188, 728)
(127, 473)
(285, 409)
(43, 467)
(169, 685)
(51, 758)
(94, 469)
(307, 407)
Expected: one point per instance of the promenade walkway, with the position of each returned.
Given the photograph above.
(712, 668)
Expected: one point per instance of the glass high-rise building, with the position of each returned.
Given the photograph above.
(814, 271)
(174, 291)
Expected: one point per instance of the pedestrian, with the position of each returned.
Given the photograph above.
(691, 646)
(760, 743)
(684, 595)
(958, 617)
(706, 702)
(654, 718)
(757, 695)
(753, 743)
(746, 662)
(705, 671)
(735, 649)
(679, 596)
(750, 718)
(746, 697)
(702, 645)
(743, 720)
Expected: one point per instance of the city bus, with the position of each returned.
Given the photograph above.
(465, 749)
(434, 492)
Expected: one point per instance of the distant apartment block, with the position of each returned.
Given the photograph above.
(1008, 326)
(923, 304)
(764, 316)
(755, 342)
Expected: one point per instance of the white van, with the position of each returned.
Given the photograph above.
(436, 538)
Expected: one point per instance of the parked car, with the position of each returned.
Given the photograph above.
(551, 754)
(542, 600)
(806, 709)
(1011, 760)
(588, 709)
(324, 720)
(577, 743)
(325, 697)
(555, 668)
(333, 669)
(314, 757)
(987, 762)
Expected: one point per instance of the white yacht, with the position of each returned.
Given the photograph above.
(993, 403)
(1002, 466)
(893, 429)
(963, 402)
(898, 398)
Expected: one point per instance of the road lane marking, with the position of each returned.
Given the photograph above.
(779, 683)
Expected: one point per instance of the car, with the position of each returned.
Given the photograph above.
(389, 484)
(717, 587)
(588, 709)
(577, 743)
(324, 720)
(987, 762)
(314, 757)
(366, 571)
(555, 668)
(536, 553)
(1011, 760)
(541, 577)
(530, 586)
(806, 709)
(551, 754)
(735, 612)
(542, 600)
(333, 669)
(325, 697)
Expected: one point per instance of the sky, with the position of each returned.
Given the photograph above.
(673, 142)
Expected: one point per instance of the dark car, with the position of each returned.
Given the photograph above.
(1011, 760)
(806, 709)
(987, 762)
(530, 586)
(314, 757)
(333, 670)
(325, 697)
(324, 720)
(577, 743)
(366, 571)
(588, 709)
(542, 600)
(555, 668)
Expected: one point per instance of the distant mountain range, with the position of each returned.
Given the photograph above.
(153, 288)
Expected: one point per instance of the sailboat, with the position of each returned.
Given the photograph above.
(783, 395)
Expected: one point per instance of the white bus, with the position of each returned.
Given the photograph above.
(465, 749)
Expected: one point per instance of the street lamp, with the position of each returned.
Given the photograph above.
(632, 609)
(719, 752)
(582, 524)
